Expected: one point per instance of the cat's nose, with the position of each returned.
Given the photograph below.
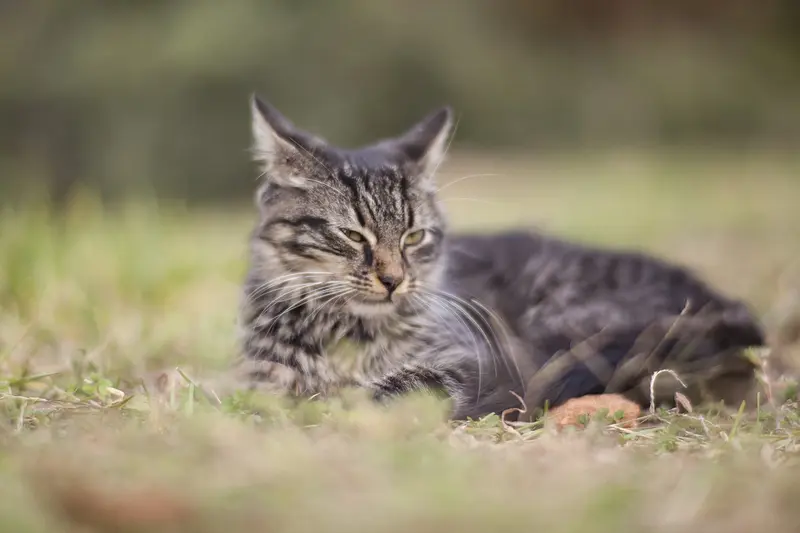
(390, 282)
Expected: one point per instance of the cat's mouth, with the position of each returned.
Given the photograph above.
(379, 299)
(373, 303)
(367, 308)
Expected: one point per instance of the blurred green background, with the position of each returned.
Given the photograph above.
(150, 96)
(671, 126)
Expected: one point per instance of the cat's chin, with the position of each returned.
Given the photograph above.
(371, 308)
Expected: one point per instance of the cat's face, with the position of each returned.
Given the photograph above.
(364, 225)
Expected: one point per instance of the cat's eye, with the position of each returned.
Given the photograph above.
(353, 235)
(414, 238)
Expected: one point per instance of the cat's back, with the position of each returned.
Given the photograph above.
(519, 272)
(508, 257)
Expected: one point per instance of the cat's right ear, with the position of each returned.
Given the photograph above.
(278, 146)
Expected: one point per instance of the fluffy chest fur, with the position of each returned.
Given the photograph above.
(299, 346)
(351, 359)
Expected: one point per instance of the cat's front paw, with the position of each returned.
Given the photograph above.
(383, 391)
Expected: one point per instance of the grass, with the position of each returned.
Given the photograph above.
(100, 299)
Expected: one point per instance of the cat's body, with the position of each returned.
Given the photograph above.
(356, 281)
(596, 311)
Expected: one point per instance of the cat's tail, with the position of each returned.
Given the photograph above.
(707, 353)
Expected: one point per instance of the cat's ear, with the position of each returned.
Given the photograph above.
(426, 143)
(285, 153)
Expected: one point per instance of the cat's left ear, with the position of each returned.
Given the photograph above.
(426, 143)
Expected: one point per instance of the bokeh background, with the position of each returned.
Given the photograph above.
(151, 97)
(672, 127)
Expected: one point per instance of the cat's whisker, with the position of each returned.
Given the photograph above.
(293, 289)
(313, 295)
(282, 297)
(416, 304)
(499, 352)
(477, 200)
(287, 290)
(471, 305)
(330, 301)
(282, 279)
(432, 302)
(278, 287)
(285, 297)
(290, 275)
(355, 293)
(464, 178)
(320, 291)
(460, 305)
(423, 307)
(506, 334)
(259, 290)
(457, 312)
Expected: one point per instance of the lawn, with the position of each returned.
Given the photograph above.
(97, 301)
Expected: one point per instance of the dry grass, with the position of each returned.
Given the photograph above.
(95, 301)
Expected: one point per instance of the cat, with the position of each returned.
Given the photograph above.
(356, 281)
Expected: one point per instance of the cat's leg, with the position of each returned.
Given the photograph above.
(417, 377)
(272, 366)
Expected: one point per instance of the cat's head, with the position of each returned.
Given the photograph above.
(366, 220)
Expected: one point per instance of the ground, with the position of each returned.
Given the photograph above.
(94, 300)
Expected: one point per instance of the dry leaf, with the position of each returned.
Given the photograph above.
(573, 411)
(683, 401)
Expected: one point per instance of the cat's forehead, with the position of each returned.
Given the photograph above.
(381, 195)
(372, 188)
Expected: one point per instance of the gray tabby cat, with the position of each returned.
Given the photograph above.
(355, 280)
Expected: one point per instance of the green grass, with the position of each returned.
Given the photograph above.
(101, 299)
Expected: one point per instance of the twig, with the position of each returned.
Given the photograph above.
(653, 385)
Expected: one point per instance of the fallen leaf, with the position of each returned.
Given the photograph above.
(576, 411)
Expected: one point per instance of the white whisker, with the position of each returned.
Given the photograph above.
(458, 312)
(294, 291)
(500, 352)
(464, 178)
(477, 200)
(502, 325)
(286, 277)
(328, 302)
(315, 294)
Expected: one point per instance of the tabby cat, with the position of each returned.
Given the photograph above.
(355, 280)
